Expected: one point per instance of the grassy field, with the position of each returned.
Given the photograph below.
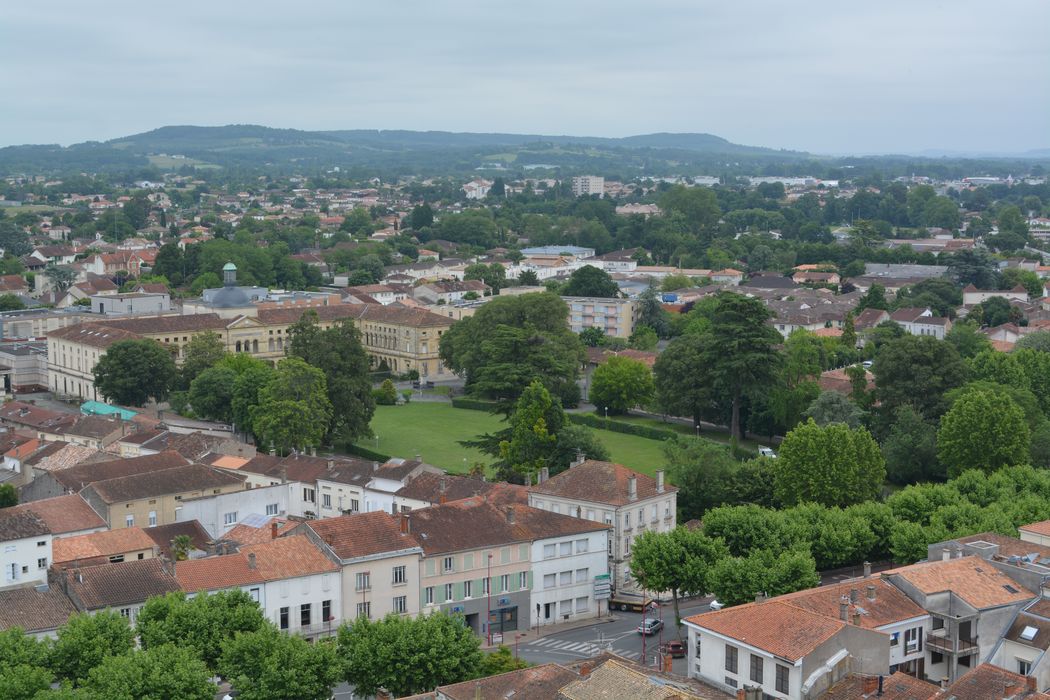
(433, 430)
(707, 433)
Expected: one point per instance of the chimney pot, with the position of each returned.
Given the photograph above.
(856, 618)
(331, 463)
(946, 554)
(871, 591)
(844, 609)
(273, 529)
(854, 594)
(867, 569)
(632, 488)
(544, 474)
(251, 560)
(659, 480)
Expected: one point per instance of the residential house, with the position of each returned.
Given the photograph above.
(220, 513)
(379, 559)
(450, 291)
(295, 584)
(1023, 646)
(37, 612)
(988, 681)
(624, 260)
(921, 321)
(611, 494)
(123, 587)
(614, 317)
(25, 549)
(64, 516)
(58, 482)
(973, 296)
(431, 489)
(786, 650)
(816, 277)
(30, 417)
(155, 498)
(105, 547)
(130, 303)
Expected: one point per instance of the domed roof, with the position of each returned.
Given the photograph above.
(228, 297)
(228, 267)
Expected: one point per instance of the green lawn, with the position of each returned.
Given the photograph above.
(432, 430)
(706, 433)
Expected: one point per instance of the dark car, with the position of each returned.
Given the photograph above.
(675, 648)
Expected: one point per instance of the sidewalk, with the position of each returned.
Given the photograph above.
(531, 635)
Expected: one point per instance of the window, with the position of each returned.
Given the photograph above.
(468, 589)
(355, 505)
(116, 559)
(895, 639)
(304, 615)
(401, 604)
(486, 584)
(590, 514)
(284, 618)
(626, 519)
(550, 580)
(448, 564)
(549, 551)
(730, 658)
(152, 518)
(254, 593)
(582, 604)
(523, 579)
(626, 545)
(41, 543)
(399, 574)
(504, 583)
(364, 610)
(730, 681)
(937, 623)
(582, 546)
(565, 578)
(229, 518)
(271, 509)
(448, 591)
(364, 581)
(783, 674)
(936, 657)
(566, 549)
(428, 595)
(566, 607)
(756, 668)
(912, 640)
(326, 500)
(41, 563)
(1023, 667)
(583, 575)
(309, 495)
(129, 521)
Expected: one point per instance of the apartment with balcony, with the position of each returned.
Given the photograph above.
(629, 502)
(615, 317)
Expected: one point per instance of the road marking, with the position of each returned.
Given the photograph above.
(542, 642)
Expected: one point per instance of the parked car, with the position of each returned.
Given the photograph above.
(867, 364)
(715, 605)
(675, 648)
(650, 625)
(767, 452)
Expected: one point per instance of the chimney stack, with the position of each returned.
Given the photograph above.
(528, 479)
(331, 463)
(510, 514)
(946, 554)
(856, 618)
(313, 451)
(544, 475)
(632, 488)
(273, 529)
(854, 595)
(375, 466)
(659, 480)
(844, 609)
(251, 560)
(867, 569)
(405, 525)
(871, 591)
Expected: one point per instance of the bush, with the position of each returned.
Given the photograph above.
(366, 453)
(386, 394)
(473, 404)
(646, 431)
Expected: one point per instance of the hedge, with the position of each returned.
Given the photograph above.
(473, 404)
(641, 430)
(366, 453)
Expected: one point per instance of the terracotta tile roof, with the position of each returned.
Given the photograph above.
(114, 585)
(1008, 546)
(974, 580)
(181, 479)
(78, 477)
(392, 314)
(428, 487)
(473, 523)
(869, 318)
(283, 558)
(58, 455)
(988, 682)
(1040, 607)
(142, 437)
(1040, 528)
(20, 524)
(228, 462)
(162, 535)
(62, 514)
(363, 534)
(773, 626)
(615, 680)
(21, 413)
(890, 605)
(397, 469)
(838, 380)
(92, 334)
(535, 683)
(899, 686)
(34, 611)
(244, 534)
(100, 544)
(93, 427)
(1041, 640)
(152, 325)
(599, 482)
(692, 685)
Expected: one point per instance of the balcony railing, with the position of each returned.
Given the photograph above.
(962, 646)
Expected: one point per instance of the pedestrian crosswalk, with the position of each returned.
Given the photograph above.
(579, 649)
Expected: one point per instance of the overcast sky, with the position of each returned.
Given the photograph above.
(828, 76)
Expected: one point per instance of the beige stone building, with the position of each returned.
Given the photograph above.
(403, 338)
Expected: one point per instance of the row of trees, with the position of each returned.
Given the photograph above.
(184, 642)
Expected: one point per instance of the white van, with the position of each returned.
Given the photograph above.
(767, 452)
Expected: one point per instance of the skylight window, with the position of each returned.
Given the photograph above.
(1028, 633)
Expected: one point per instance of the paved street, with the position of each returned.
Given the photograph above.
(618, 637)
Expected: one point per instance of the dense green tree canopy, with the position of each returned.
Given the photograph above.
(983, 430)
(590, 281)
(131, 372)
(293, 410)
(677, 560)
(831, 465)
(620, 384)
(917, 370)
(86, 640)
(271, 665)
